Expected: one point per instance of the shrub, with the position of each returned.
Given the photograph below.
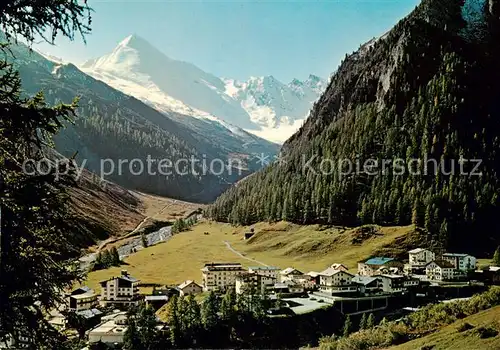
(464, 327)
(486, 332)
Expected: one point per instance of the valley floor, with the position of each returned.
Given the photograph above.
(281, 244)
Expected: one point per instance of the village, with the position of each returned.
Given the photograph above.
(376, 284)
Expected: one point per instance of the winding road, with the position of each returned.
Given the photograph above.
(228, 245)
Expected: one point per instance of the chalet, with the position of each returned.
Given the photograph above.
(287, 287)
(419, 258)
(338, 266)
(397, 283)
(315, 277)
(82, 298)
(372, 266)
(120, 291)
(156, 301)
(253, 282)
(111, 331)
(461, 262)
(367, 284)
(189, 288)
(440, 270)
(336, 282)
(289, 274)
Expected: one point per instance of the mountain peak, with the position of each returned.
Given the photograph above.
(135, 41)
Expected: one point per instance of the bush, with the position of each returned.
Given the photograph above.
(464, 327)
(486, 332)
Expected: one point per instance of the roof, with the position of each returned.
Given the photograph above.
(82, 288)
(458, 255)
(290, 270)
(127, 278)
(337, 266)
(417, 250)
(156, 297)
(378, 261)
(109, 327)
(187, 283)
(392, 276)
(331, 271)
(266, 268)
(313, 274)
(363, 279)
(89, 313)
(286, 284)
(441, 263)
(221, 266)
(87, 294)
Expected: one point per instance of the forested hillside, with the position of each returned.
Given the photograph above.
(112, 125)
(428, 89)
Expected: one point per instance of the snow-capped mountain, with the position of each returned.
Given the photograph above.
(263, 106)
(270, 103)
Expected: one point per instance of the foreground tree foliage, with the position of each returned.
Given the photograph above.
(36, 231)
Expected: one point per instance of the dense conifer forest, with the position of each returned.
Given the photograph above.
(427, 90)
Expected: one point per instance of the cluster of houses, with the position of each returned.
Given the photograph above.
(378, 275)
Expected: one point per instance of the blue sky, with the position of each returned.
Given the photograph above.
(238, 39)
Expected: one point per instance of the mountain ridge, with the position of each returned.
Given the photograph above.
(137, 68)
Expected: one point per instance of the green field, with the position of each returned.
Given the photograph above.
(281, 244)
(450, 338)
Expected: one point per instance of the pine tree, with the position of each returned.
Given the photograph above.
(146, 324)
(209, 309)
(347, 326)
(496, 257)
(107, 259)
(362, 322)
(370, 322)
(228, 305)
(98, 260)
(131, 338)
(174, 321)
(115, 257)
(38, 236)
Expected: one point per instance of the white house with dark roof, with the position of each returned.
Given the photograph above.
(120, 291)
(440, 270)
(461, 262)
(337, 266)
(367, 284)
(334, 281)
(82, 298)
(289, 274)
(189, 288)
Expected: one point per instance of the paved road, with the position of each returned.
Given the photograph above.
(228, 245)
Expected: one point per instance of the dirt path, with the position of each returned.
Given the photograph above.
(228, 245)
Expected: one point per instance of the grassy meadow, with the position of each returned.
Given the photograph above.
(281, 244)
